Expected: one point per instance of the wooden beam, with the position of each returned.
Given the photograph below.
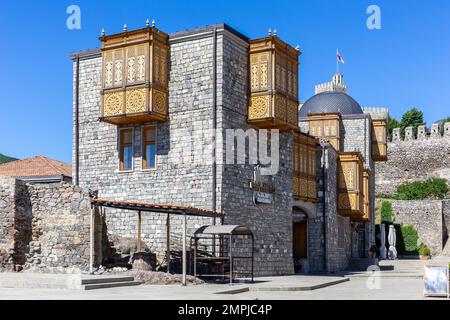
(139, 232)
(183, 283)
(91, 241)
(168, 242)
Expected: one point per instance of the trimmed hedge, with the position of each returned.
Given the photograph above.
(410, 238)
(386, 212)
(418, 190)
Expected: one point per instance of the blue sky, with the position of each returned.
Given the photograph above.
(405, 64)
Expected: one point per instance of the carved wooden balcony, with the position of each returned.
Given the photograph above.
(135, 76)
(273, 102)
(379, 140)
(366, 196)
(326, 127)
(304, 179)
(351, 188)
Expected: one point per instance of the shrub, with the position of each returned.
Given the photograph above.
(424, 250)
(386, 212)
(419, 190)
(410, 238)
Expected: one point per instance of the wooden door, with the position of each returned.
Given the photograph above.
(300, 240)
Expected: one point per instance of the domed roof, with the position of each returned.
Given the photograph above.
(330, 102)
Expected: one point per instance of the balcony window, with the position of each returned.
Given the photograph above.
(149, 148)
(126, 149)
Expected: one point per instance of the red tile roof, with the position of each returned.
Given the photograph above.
(38, 166)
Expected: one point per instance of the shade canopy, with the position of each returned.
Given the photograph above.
(224, 229)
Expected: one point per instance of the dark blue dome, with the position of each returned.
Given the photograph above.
(330, 102)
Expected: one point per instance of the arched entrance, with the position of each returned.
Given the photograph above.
(300, 239)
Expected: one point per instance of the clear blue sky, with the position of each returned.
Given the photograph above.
(405, 64)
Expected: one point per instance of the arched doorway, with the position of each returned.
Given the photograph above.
(300, 239)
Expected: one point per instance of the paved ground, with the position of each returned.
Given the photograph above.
(397, 280)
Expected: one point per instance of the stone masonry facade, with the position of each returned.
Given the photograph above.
(427, 217)
(184, 170)
(44, 227)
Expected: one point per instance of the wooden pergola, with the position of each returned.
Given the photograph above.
(140, 207)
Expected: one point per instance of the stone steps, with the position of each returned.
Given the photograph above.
(106, 280)
(104, 285)
(361, 264)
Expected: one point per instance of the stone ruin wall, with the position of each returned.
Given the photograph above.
(426, 216)
(43, 227)
(412, 159)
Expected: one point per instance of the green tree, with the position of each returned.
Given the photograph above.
(412, 118)
(441, 128)
(392, 123)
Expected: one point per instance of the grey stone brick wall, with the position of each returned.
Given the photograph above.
(426, 217)
(44, 227)
(60, 227)
(413, 160)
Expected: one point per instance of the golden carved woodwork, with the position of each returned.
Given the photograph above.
(259, 107)
(304, 177)
(379, 140)
(351, 185)
(136, 100)
(113, 103)
(135, 67)
(326, 127)
(274, 75)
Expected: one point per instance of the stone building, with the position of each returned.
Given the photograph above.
(156, 119)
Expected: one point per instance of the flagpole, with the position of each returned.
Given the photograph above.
(337, 61)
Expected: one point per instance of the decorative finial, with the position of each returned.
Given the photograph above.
(103, 32)
(269, 33)
(275, 32)
(153, 23)
(147, 23)
(125, 28)
(297, 47)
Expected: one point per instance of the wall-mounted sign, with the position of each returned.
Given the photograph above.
(262, 190)
(436, 281)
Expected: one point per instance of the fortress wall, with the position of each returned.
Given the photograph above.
(411, 159)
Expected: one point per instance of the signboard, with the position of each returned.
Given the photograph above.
(262, 190)
(436, 281)
(263, 198)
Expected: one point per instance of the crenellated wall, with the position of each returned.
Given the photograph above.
(414, 158)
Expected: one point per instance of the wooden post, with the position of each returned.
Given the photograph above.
(91, 241)
(184, 250)
(139, 233)
(168, 242)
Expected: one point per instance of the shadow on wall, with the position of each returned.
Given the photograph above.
(406, 237)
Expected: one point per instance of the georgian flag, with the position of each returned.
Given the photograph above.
(339, 57)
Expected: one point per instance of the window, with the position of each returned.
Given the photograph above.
(149, 148)
(126, 149)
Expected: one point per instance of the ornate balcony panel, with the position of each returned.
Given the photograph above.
(135, 69)
(326, 127)
(379, 140)
(304, 179)
(350, 185)
(273, 84)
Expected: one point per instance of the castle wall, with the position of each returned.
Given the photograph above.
(412, 160)
(426, 216)
(43, 227)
